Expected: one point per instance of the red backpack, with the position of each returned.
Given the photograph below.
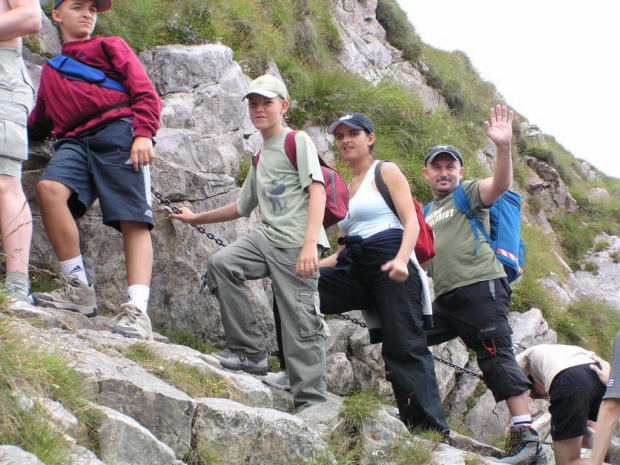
(425, 246)
(337, 195)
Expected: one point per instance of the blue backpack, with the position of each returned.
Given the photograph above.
(75, 70)
(505, 235)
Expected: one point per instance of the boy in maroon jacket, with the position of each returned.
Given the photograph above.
(103, 150)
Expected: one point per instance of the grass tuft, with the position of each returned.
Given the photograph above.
(186, 378)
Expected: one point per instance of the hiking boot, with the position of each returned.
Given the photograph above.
(278, 380)
(523, 447)
(132, 322)
(74, 295)
(233, 361)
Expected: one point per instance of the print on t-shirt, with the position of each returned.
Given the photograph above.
(275, 192)
(439, 215)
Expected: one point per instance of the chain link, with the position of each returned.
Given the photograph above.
(168, 203)
(361, 324)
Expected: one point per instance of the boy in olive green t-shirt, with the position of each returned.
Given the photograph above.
(286, 247)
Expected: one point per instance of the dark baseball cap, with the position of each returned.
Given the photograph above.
(439, 149)
(355, 121)
(102, 5)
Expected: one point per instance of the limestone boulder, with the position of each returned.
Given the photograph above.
(242, 434)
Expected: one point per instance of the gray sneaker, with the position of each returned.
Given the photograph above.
(278, 380)
(17, 294)
(523, 447)
(132, 322)
(233, 361)
(74, 295)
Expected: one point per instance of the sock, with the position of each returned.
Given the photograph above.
(525, 420)
(18, 281)
(74, 266)
(139, 296)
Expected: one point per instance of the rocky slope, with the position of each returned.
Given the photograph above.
(205, 136)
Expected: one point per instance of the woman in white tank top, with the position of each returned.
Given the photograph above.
(374, 269)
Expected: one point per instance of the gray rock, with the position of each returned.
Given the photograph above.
(366, 53)
(603, 284)
(324, 418)
(13, 455)
(242, 434)
(529, 329)
(454, 352)
(82, 456)
(123, 385)
(339, 374)
(562, 294)
(598, 193)
(123, 441)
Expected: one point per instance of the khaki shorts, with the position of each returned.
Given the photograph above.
(11, 167)
(16, 99)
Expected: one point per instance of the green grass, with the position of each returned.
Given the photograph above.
(26, 368)
(203, 455)
(183, 338)
(589, 324)
(539, 261)
(410, 451)
(187, 379)
(257, 31)
(399, 31)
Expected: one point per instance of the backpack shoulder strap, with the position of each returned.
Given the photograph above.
(462, 203)
(383, 190)
(427, 207)
(290, 148)
(74, 69)
(255, 158)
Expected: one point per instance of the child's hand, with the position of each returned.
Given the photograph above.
(307, 262)
(141, 152)
(186, 215)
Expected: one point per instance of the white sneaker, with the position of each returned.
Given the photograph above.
(132, 322)
(279, 380)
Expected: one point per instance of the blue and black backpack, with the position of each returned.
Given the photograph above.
(505, 235)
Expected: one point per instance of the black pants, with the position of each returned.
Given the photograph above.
(478, 315)
(408, 362)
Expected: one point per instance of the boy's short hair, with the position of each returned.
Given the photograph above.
(102, 5)
(268, 86)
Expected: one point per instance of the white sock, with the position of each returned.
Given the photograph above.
(139, 296)
(74, 266)
(525, 420)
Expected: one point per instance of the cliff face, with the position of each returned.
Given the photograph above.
(205, 138)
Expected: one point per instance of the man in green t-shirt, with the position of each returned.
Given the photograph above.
(286, 247)
(471, 290)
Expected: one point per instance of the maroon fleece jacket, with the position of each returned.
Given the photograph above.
(64, 107)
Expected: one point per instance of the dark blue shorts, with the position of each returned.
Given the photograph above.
(97, 165)
(575, 396)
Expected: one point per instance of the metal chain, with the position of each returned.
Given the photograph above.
(168, 203)
(361, 324)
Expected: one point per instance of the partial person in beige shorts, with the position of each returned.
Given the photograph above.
(17, 19)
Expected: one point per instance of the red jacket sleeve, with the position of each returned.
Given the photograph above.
(145, 102)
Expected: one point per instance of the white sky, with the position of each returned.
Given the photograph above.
(557, 62)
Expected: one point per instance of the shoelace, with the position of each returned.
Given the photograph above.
(67, 287)
(128, 312)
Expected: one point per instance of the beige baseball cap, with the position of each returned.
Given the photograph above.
(268, 86)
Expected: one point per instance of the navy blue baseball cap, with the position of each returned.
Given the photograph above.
(355, 121)
(439, 149)
(102, 5)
